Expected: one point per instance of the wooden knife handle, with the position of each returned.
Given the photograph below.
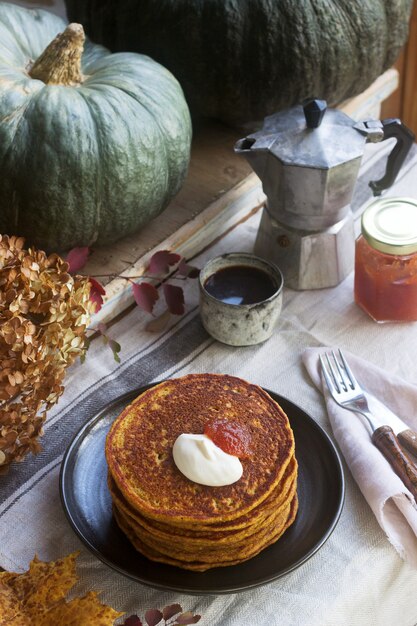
(408, 439)
(386, 441)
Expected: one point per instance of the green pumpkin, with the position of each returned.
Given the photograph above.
(239, 60)
(93, 145)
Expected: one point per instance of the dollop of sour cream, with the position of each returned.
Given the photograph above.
(201, 461)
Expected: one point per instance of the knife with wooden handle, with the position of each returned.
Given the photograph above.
(386, 441)
(408, 439)
(405, 435)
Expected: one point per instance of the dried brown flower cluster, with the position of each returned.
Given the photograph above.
(44, 313)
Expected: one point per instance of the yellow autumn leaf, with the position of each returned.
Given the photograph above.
(37, 597)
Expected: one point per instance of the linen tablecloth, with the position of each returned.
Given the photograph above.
(356, 578)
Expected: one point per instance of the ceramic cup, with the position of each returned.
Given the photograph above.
(240, 324)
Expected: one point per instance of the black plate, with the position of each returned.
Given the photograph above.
(87, 504)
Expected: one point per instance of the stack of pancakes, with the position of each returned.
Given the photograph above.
(174, 520)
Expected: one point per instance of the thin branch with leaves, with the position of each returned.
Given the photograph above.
(145, 293)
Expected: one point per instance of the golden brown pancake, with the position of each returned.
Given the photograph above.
(172, 519)
(200, 566)
(218, 540)
(215, 553)
(139, 448)
(246, 524)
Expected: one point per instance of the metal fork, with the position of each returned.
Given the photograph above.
(347, 392)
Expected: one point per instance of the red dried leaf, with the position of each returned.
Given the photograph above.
(158, 323)
(184, 269)
(174, 297)
(187, 618)
(162, 260)
(133, 620)
(97, 292)
(77, 258)
(153, 617)
(171, 610)
(145, 295)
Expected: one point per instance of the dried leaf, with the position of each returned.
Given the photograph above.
(187, 618)
(153, 617)
(87, 611)
(77, 258)
(115, 348)
(158, 324)
(97, 292)
(162, 260)
(174, 297)
(44, 314)
(38, 597)
(87, 343)
(184, 269)
(145, 295)
(171, 610)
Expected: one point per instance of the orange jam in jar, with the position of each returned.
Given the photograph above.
(386, 261)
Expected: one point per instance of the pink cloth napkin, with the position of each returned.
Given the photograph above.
(393, 505)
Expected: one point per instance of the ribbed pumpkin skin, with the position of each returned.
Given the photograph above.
(90, 163)
(239, 60)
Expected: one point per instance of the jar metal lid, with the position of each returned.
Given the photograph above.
(390, 225)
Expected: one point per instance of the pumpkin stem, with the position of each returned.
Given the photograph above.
(60, 62)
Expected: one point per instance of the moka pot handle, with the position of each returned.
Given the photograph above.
(393, 128)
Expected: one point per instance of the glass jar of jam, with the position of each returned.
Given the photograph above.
(386, 260)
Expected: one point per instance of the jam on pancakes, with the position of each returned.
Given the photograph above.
(232, 437)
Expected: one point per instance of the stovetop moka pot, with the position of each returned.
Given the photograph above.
(308, 159)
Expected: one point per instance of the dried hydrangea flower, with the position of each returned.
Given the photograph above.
(44, 313)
